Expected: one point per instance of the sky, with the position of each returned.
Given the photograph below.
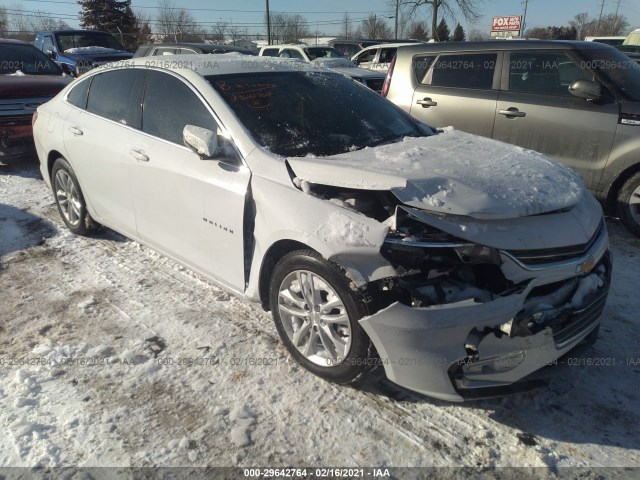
(327, 15)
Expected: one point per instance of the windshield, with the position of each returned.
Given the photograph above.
(26, 59)
(295, 114)
(621, 70)
(323, 52)
(79, 40)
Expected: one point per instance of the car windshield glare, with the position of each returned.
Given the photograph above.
(26, 59)
(621, 70)
(296, 114)
(68, 41)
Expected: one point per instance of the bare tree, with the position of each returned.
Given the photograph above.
(4, 22)
(374, 27)
(176, 24)
(583, 24)
(219, 32)
(20, 26)
(288, 28)
(347, 31)
(468, 8)
(41, 22)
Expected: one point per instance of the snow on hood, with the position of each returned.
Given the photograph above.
(90, 50)
(453, 173)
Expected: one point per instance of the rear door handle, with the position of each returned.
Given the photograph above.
(138, 155)
(76, 131)
(512, 113)
(427, 102)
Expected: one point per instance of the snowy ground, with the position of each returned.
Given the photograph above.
(111, 355)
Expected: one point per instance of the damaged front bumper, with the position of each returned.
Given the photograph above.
(469, 349)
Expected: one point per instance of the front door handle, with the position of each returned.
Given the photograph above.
(427, 102)
(138, 155)
(512, 113)
(76, 131)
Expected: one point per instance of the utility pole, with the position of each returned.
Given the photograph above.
(614, 25)
(268, 25)
(524, 18)
(397, 8)
(600, 18)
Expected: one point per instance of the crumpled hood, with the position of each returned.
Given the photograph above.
(452, 173)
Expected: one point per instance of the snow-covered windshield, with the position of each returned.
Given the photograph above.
(82, 40)
(26, 59)
(296, 114)
(619, 68)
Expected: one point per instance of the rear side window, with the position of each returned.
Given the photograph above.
(544, 73)
(169, 105)
(270, 52)
(116, 95)
(78, 94)
(465, 71)
(421, 66)
(164, 51)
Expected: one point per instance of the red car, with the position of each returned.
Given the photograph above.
(28, 78)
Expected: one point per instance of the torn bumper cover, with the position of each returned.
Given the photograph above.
(459, 350)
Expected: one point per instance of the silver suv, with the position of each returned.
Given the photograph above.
(578, 102)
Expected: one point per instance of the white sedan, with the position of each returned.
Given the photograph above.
(459, 264)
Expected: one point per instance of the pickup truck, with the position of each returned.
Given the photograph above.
(78, 51)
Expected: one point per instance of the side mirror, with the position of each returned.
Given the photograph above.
(586, 90)
(201, 140)
(50, 53)
(68, 70)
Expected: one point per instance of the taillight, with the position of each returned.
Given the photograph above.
(387, 81)
(34, 118)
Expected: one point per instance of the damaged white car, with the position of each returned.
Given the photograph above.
(460, 264)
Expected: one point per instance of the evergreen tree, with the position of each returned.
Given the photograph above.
(458, 34)
(111, 16)
(442, 32)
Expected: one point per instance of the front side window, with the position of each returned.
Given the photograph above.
(169, 104)
(47, 44)
(164, 51)
(270, 52)
(116, 95)
(421, 66)
(288, 112)
(367, 56)
(292, 53)
(544, 73)
(468, 70)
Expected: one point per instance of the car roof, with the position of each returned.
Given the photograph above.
(12, 41)
(387, 45)
(220, 64)
(74, 31)
(501, 45)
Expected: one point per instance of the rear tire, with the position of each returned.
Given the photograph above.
(629, 204)
(316, 312)
(69, 198)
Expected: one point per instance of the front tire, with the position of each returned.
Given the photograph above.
(629, 204)
(69, 198)
(316, 312)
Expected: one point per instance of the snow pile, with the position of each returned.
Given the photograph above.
(343, 230)
(91, 50)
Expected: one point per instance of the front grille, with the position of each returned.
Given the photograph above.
(375, 84)
(565, 330)
(552, 255)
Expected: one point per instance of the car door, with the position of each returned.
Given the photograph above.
(189, 208)
(459, 90)
(98, 134)
(536, 111)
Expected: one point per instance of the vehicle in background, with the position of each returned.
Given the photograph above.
(327, 57)
(184, 48)
(633, 38)
(577, 102)
(28, 78)
(378, 57)
(78, 51)
(631, 51)
(350, 47)
(460, 264)
(606, 40)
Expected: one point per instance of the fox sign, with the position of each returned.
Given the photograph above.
(501, 24)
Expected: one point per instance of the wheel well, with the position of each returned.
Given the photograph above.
(275, 253)
(51, 158)
(616, 185)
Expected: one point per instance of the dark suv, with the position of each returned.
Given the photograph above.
(78, 51)
(578, 102)
(28, 78)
